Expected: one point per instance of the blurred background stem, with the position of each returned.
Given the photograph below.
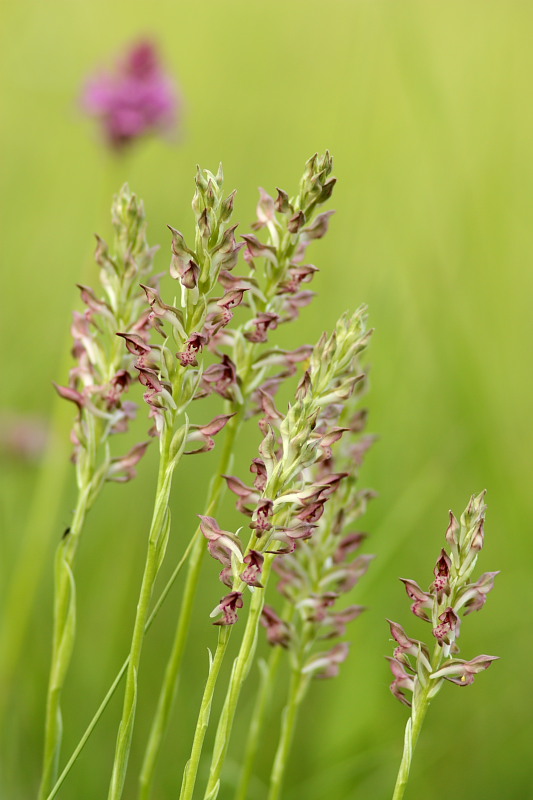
(63, 639)
(297, 690)
(42, 521)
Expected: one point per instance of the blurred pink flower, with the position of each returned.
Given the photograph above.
(23, 436)
(135, 99)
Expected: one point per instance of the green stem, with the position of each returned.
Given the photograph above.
(412, 732)
(105, 702)
(297, 691)
(156, 544)
(25, 574)
(239, 673)
(191, 768)
(169, 688)
(63, 640)
(170, 682)
(258, 719)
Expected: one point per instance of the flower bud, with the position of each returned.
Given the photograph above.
(282, 202)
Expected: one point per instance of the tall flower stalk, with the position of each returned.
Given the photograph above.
(172, 381)
(452, 592)
(97, 385)
(278, 503)
(273, 295)
(314, 578)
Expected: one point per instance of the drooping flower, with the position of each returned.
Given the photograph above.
(254, 567)
(228, 608)
(122, 469)
(134, 99)
(402, 681)
(462, 672)
(423, 600)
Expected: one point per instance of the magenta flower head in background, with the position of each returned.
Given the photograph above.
(135, 99)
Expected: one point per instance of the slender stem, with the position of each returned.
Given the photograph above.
(63, 640)
(170, 683)
(239, 673)
(90, 728)
(297, 691)
(112, 689)
(191, 768)
(156, 544)
(257, 721)
(298, 687)
(422, 697)
(412, 732)
(169, 687)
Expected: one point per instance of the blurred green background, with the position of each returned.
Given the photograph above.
(427, 110)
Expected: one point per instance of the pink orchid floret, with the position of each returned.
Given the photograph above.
(463, 672)
(254, 567)
(402, 681)
(408, 646)
(349, 544)
(205, 433)
(226, 547)
(448, 628)
(122, 469)
(442, 575)
(221, 378)
(326, 665)
(228, 608)
(474, 596)
(278, 631)
(423, 600)
(347, 575)
(194, 345)
(262, 516)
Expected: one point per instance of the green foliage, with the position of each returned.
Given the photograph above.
(426, 109)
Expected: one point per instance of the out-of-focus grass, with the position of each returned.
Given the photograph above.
(426, 108)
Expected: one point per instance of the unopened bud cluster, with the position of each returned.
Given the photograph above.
(451, 594)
